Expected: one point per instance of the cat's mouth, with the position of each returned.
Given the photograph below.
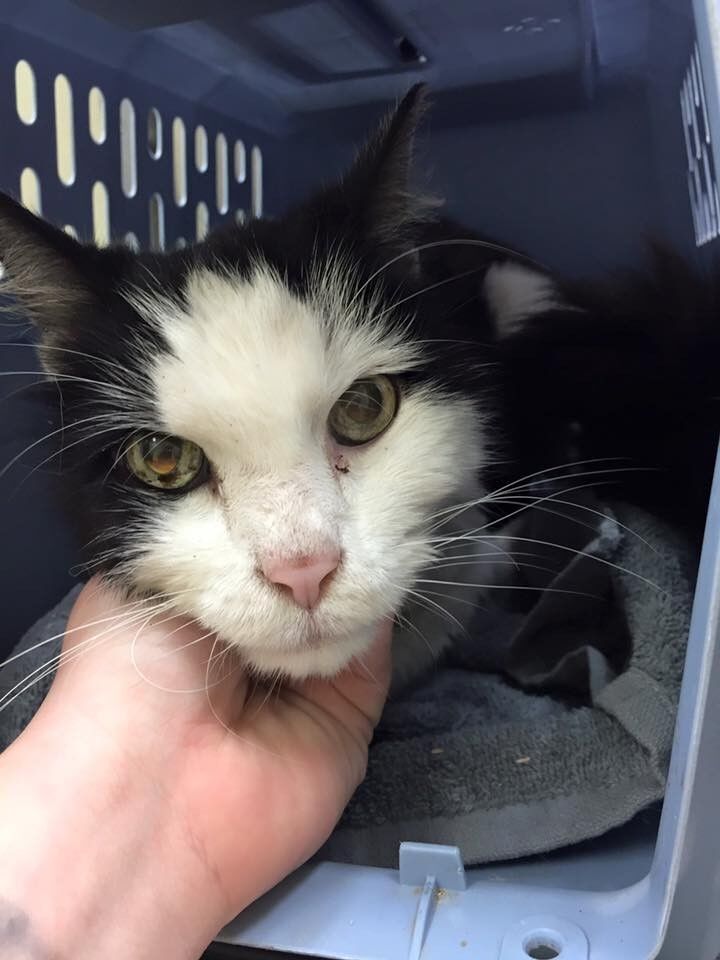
(312, 635)
(317, 644)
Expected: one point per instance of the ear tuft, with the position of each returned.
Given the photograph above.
(516, 294)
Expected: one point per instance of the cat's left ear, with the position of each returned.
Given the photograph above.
(49, 274)
(379, 189)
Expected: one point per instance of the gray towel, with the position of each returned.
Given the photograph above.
(549, 723)
(569, 737)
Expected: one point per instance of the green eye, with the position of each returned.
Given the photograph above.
(168, 463)
(365, 409)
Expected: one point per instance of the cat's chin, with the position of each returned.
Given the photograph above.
(325, 658)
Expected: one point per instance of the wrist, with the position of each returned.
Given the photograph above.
(93, 854)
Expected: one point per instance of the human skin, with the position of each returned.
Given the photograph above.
(153, 797)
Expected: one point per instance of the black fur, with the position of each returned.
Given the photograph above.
(88, 330)
(634, 376)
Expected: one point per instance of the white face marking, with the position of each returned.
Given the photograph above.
(515, 293)
(253, 374)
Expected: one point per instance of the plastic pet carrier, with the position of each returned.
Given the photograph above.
(568, 127)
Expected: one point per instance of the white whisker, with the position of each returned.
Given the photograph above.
(486, 244)
(507, 586)
(579, 553)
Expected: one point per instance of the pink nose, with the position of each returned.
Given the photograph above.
(303, 576)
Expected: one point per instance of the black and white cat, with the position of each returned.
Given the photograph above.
(274, 426)
(285, 429)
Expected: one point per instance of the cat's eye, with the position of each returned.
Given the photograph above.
(168, 463)
(366, 408)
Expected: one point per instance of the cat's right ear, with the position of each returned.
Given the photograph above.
(46, 272)
(377, 201)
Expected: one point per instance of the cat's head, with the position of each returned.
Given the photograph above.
(264, 425)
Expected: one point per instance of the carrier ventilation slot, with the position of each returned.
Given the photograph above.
(111, 169)
(702, 185)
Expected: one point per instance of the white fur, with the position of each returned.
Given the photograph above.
(253, 374)
(515, 293)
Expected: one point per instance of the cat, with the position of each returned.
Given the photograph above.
(287, 429)
(281, 429)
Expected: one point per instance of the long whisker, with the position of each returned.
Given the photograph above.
(407, 624)
(433, 607)
(109, 392)
(83, 626)
(516, 484)
(561, 466)
(468, 242)
(507, 586)
(50, 666)
(606, 471)
(433, 286)
(535, 503)
(216, 715)
(275, 682)
(455, 510)
(92, 436)
(146, 678)
(579, 553)
(503, 557)
(449, 596)
(53, 433)
(75, 353)
(598, 513)
(494, 563)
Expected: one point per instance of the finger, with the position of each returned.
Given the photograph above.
(367, 680)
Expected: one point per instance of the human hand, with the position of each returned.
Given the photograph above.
(216, 787)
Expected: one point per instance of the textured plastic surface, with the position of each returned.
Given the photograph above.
(632, 896)
(418, 861)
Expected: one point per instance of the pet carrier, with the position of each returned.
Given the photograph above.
(567, 127)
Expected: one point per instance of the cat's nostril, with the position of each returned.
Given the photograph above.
(305, 577)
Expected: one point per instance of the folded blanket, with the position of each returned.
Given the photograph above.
(548, 724)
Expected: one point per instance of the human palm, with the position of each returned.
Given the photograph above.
(252, 780)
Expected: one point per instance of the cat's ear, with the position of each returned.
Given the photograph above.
(518, 296)
(379, 187)
(45, 271)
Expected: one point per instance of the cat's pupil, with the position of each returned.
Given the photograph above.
(364, 402)
(162, 454)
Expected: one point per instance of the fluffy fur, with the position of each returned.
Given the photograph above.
(517, 294)
(242, 344)
(276, 489)
(623, 371)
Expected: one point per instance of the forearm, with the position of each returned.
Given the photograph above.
(88, 864)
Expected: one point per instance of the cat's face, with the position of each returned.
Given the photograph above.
(251, 426)
(324, 463)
